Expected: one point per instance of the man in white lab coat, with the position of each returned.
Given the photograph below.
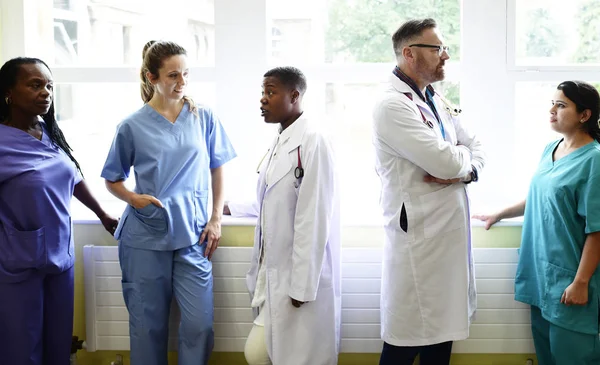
(424, 158)
(294, 279)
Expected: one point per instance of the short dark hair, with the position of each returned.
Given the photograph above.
(584, 96)
(290, 77)
(410, 29)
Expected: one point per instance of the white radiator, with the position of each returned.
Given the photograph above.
(501, 326)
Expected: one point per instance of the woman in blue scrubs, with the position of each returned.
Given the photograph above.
(38, 178)
(558, 273)
(177, 149)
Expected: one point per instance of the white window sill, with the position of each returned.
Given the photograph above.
(229, 221)
(226, 221)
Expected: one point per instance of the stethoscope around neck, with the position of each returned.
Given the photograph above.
(451, 109)
(298, 171)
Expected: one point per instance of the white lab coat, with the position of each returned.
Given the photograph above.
(428, 289)
(302, 252)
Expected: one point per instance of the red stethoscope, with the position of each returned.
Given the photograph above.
(298, 171)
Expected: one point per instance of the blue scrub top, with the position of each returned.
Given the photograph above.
(37, 180)
(172, 162)
(563, 207)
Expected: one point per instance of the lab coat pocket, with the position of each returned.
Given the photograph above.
(402, 220)
(151, 219)
(443, 210)
(583, 318)
(23, 249)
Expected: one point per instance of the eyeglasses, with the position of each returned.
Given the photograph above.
(441, 49)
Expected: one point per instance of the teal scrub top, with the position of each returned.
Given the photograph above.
(563, 207)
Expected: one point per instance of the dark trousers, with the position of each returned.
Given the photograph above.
(438, 354)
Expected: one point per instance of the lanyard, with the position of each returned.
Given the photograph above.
(431, 103)
(428, 98)
(427, 122)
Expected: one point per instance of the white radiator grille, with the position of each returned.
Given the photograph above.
(501, 326)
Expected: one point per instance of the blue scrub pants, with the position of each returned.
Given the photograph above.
(150, 280)
(556, 345)
(36, 319)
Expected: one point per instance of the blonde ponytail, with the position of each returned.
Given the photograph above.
(146, 87)
(153, 55)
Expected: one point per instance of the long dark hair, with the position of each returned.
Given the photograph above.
(585, 96)
(8, 79)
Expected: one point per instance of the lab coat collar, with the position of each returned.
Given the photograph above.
(291, 137)
(403, 88)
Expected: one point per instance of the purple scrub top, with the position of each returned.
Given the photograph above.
(37, 180)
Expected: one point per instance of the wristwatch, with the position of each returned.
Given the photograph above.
(474, 176)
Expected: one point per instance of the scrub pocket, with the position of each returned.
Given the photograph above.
(580, 318)
(200, 208)
(71, 243)
(150, 219)
(23, 249)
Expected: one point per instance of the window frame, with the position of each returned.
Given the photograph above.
(491, 113)
(511, 54)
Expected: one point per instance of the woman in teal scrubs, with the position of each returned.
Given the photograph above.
(558, 271)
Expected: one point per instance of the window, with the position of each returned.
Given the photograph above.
(113, 33)
(552, 32)
(548, 42)
(95, 53)
(506, 59)
(346, 31)
(347, 109)
(344, 47)
(63, 4)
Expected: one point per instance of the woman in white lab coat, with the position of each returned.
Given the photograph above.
(424, 156)
(294, 279)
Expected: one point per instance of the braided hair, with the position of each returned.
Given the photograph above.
(8, 79)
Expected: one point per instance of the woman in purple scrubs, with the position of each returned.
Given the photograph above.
(38, 178)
